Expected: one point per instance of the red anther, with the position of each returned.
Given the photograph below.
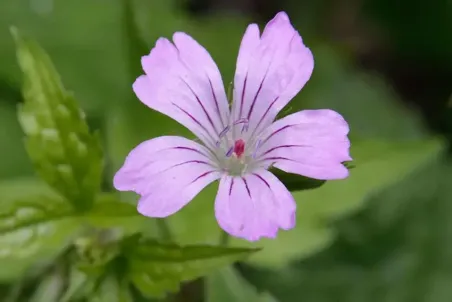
(239, 147)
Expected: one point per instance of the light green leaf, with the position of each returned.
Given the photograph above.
(23, 187)
(227, 285)
(65, 154)
(111, 290)
(378, 165)
(79, 284)
(49, 289)
(156, 269)
(33, 231)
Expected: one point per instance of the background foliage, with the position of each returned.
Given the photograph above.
(66, 235)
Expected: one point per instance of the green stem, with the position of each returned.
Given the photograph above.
(164, 230)
(224, 238)
(15, 291)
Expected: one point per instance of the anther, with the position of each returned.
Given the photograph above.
(222, 134)
(241, 121)
(229, 153)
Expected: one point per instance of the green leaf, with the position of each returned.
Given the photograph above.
(227, 285)
(11, 142)
(295, 182)
(378, 165)
(59, 143)
(49, 289)
(22, 188)
(33, 231)
(156, 269)
(111, 290)
(398, 248)
(79, 285)
(109, 212)
(135, 45)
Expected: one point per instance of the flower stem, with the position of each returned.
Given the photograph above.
(224, 239)
(164, 230)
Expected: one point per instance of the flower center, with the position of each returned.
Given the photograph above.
(235, 151)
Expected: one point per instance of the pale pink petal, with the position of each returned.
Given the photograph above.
(312, 143)
(167, 172)
(183, 82)
(270, 71)
(254, 206)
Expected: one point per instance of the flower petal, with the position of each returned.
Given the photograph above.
(254, 206)
(167, 172)
(312, 143)
(270, 71)
(183, 82)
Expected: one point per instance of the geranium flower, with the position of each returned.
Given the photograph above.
(238, 144)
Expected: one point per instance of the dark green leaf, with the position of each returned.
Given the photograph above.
(368, 103)
(227, 285)
(295, 182)
(33, 231)
(156, 269)
(59, 143)
(13, 150)
(378, 164)
(135, 45)
(396, 249)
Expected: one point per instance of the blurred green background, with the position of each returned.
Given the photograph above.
(384, 234)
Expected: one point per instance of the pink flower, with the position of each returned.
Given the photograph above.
(240, 143)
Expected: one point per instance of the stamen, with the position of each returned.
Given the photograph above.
(229, 153)
(222, 134)
(258, 144)
(241, 121)
(245, 128)
(225, 130)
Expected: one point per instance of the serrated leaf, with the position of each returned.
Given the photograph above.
(156, 269)
(64, 152)
(227, 285)
(32, 231)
